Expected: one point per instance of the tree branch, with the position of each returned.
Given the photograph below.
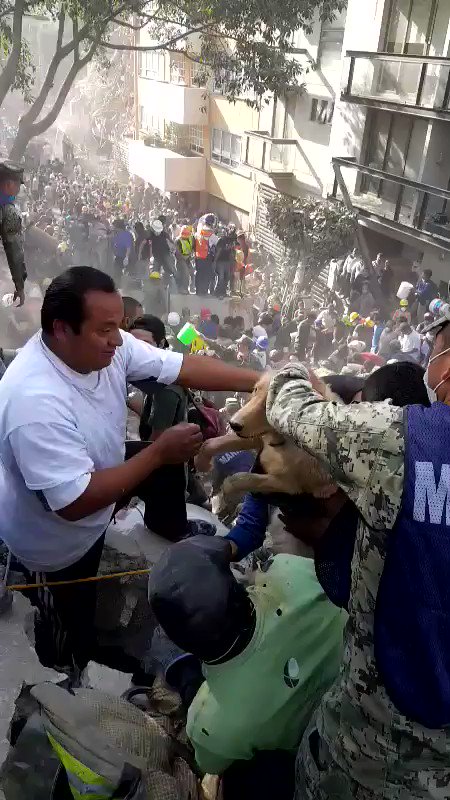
(9, 73)
(160, 46)
(47, 84)
(76, 50)
(40, 127)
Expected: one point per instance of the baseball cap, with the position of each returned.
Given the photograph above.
(195, 598)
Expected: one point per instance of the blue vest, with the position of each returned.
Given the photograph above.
(412, 615)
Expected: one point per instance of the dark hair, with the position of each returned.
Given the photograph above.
(402, 382)
(64, 298)
(215, 318)
(153, 325)
(130, 306)
(346, 386)
(428, 273)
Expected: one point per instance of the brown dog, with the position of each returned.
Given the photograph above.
(287, 468)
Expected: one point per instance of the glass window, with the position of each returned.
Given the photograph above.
(322, 111)
(226, 148)
(196, 139)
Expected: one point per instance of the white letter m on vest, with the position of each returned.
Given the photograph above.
(425, 490)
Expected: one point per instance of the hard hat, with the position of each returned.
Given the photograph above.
(7, 299)
(154, 275)
(354, 316)
(173, 319)
(403, 304)
(276, 307)
(262, 343)
(157, 226)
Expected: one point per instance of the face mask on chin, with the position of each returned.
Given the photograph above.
(432, 393)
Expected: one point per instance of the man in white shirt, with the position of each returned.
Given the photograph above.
(410, 340)
(62, 433)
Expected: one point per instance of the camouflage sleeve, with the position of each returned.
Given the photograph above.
(362, 444)
(11, 234)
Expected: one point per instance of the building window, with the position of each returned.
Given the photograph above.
(226, 148)
(322, 111)
(149, 65)
(178, 69)
(150, 123)
(196, 139)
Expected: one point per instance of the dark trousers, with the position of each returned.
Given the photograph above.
(64, 626)
(118, 270)
(204, 276)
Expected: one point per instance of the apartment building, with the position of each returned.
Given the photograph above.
(391, 133)
(228, 156)
(368, 125)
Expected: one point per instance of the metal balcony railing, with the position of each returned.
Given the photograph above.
(269, 154)
(420, 84)
(401, 203)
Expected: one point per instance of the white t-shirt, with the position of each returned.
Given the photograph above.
(410, 342)
(56, 427)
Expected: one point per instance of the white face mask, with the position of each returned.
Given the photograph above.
(432, 396)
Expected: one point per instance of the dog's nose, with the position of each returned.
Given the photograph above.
(236, 426)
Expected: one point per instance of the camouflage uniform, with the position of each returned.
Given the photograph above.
(11, 231)
(358, 745)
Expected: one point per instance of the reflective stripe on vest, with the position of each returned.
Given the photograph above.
(186, 246)
(84, 783)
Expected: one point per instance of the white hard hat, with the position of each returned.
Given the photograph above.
(157, 226)
(8, 299)
(173, 319)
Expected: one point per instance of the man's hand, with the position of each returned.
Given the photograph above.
(178, 444)
(19, 295)
(204, 458)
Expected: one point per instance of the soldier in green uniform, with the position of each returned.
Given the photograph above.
(361, 745)
(11, 176)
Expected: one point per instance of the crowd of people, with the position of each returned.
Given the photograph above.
(132, 230)
(308, 645)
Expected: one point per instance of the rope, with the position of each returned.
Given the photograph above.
(21, 587)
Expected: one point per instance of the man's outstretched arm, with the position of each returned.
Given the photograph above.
(210, 374)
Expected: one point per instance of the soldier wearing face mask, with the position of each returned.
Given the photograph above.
(382, 732)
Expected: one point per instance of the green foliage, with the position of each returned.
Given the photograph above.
(313, 231)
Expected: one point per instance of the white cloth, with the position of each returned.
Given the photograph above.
(410, 342)
(258, 331)
(57, 427)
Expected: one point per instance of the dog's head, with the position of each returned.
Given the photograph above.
(251, 421)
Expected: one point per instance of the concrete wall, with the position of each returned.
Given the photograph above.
(165, 169)
(229, 185)
(186, 105)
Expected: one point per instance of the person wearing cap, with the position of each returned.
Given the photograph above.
(184, 253)
(161, 249)
(11, 177)
(224, 260)
(260, 351)
(268, 653)
(402, 312)
(205, 247)
(383, 730)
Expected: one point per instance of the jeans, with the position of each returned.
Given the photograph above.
(223, 271)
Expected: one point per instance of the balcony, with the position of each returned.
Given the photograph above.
(418, 85)
(398, 203)
(165, 169)
(275, 157)
(175, 102)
